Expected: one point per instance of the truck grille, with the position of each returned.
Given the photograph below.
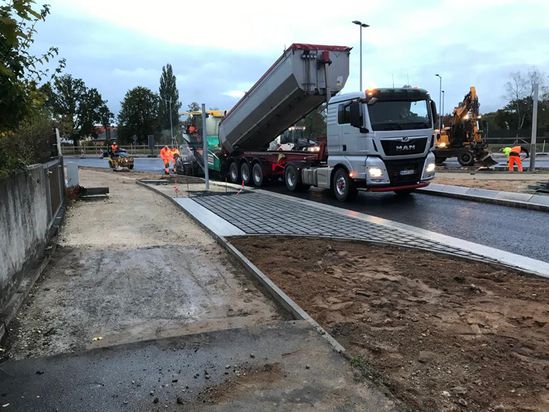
(412, 171)
(398, 147)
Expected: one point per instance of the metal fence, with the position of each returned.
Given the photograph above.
(98, 150)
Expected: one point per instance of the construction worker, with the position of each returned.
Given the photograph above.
(513, 154)
(174, 155)
(113, 148)
(165, 155)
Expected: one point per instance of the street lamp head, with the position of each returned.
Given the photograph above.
(438, 75)
(360, 23)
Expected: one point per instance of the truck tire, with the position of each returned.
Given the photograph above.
(233, 172)
(292, 178)
(257, 175)
(245, 173)
(343, 186)
(466, 158)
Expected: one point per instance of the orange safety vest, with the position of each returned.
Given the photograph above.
(114, 147)
(516, 149)
(165, 154)
(174, 152)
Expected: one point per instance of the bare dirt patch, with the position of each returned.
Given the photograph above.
(442, 333)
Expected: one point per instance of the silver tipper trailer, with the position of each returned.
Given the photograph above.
(297, 83)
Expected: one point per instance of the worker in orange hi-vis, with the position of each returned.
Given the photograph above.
(174, 155)
(514, 156)
(165, 155)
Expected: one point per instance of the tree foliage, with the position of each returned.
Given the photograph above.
(169, 98)
(193, 107)
(76, 108)
(138, 115)
(20, 70)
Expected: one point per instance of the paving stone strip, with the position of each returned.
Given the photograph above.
(259, 214)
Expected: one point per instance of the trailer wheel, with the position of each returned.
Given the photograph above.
(257, 175)
(233, 172)
(343, 187)
(245, 173)
(466, 158)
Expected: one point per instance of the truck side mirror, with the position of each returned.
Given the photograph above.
(355, 115)
(434, 111)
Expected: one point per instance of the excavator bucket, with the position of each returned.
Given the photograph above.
(486, 160)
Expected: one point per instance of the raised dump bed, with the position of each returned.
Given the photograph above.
(294, 85)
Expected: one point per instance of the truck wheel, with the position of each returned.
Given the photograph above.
(257, 175)
(233, 172)
(343, 187)
(466, 158)
(245, 173)
(292, 178)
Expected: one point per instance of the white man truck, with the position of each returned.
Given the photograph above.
(377, 140)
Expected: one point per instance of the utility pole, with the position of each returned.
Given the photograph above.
(205, 147)
(442, 109)
(532, 167)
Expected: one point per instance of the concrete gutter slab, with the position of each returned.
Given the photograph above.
(213, 222)
(521, 197)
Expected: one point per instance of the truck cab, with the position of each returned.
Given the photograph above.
(381, 140)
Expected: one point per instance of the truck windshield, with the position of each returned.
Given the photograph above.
(400, 114)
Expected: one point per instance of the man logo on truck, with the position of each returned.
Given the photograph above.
(405, 147)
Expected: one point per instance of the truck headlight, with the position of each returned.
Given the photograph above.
(429, 167)
(376, 172)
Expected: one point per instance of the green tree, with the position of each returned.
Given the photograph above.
(169, 98)
(106, 117)
(20, 70)
(138, 115)
(314, 123)
(75, 107)
(193, 107)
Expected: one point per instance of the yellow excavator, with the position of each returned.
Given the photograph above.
(464, 138)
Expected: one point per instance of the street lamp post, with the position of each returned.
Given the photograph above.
(442, 109)
(361, 25)
(439, 100)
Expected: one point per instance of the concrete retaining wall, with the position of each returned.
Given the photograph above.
(29, 203)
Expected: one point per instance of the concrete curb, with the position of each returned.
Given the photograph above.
(279, 296)
(511, 199)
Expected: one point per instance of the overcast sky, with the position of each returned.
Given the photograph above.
(218, 49)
